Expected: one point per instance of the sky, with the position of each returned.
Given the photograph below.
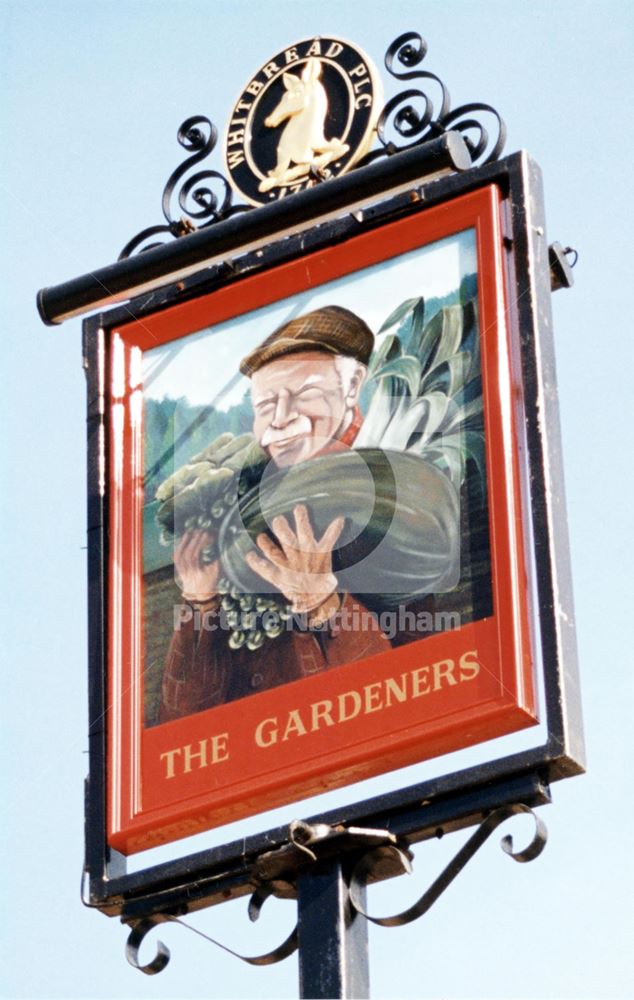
(93, 97)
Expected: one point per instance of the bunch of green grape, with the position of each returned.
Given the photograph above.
(252, 618)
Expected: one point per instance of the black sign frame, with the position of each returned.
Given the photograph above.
(452, 800)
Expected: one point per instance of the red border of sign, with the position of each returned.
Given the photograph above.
(145, 807)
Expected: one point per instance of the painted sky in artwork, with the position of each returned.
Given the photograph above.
(202, 365)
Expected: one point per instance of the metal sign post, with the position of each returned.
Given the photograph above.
(257, 691)
(332, 939)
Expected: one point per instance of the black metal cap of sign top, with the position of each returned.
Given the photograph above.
(326, 863)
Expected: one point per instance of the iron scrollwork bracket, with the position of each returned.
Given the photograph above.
(276, 873)
(141, 928)
(382, 856)
(200, 204)
(206, 197)
(412, 114)
(363, 872)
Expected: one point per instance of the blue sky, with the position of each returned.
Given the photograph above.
(94, 95)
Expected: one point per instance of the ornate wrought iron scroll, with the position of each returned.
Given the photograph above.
(363, 872)
(308, 844)
(412, 114)
(410, 118)
(200, 205)
(141, 928)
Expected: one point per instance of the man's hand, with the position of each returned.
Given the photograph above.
(197, 580)
(299, 565)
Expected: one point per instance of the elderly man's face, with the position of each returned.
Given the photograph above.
(301, 402)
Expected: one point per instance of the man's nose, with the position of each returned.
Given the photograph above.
(284, 409)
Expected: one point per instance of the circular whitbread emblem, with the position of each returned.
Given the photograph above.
(308, 114)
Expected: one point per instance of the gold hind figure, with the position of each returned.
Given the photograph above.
(302, 142)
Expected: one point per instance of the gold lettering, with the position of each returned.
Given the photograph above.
(219, 748)
(392, 688)
(291, 55)
(420, 682)
(363, 101)
(360, 70)
(356, 705)
(199, 758)
(373, 701)
(374, 697)
(266, 732)
(170, 754)
(447, 672)
(201, 755)
(321, 710)
(269, 70)
(254, 88)
(315, 49)
(294, 726)
(234, 158)
(360, 84)
(242, 105)
(469, 665)
(237, 136)
(333, 50)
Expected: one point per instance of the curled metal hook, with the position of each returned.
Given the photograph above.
(138, 933)
(457, 120)
(365, 866)
(536, 846)
(409, 50)
(141, 929)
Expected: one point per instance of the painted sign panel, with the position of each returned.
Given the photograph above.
(317, 569)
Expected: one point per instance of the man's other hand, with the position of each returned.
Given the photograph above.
(197, 580)
(299, 565)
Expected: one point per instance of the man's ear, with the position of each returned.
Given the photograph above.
(356, 384)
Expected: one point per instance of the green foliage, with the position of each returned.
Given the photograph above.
(425, 372)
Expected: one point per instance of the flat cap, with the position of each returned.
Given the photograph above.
(333, 329)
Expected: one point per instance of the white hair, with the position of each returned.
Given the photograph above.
(348, 368)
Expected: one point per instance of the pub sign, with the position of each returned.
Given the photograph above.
(326, 537)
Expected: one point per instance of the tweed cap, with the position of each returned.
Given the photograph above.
(333, 329)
